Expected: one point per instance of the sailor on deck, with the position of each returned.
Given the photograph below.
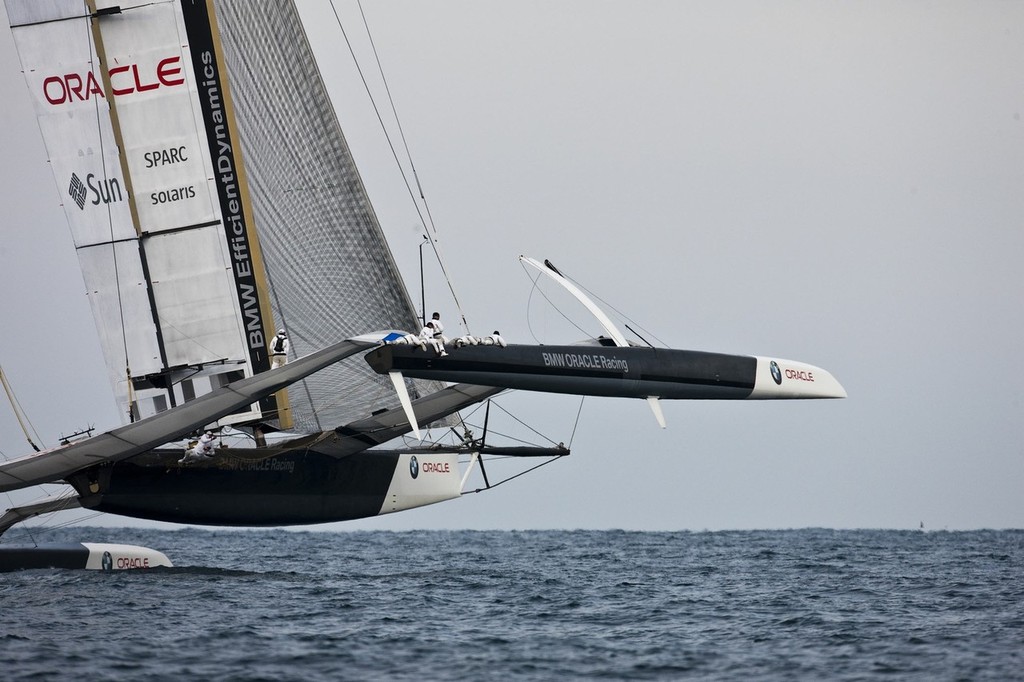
(411, 340)
(439, 336)
(493, 340)
(279, 347)
(428, 336)
(203, 449)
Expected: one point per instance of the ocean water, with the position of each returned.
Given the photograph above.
(534, 605)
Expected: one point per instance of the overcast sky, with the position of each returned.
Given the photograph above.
(836, 183)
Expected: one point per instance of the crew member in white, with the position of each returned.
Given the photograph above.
(202, 450)
(279, 347)
(427, 334)
(438, 328)
(494, 340)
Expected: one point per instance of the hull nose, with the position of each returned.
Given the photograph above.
(777, 379)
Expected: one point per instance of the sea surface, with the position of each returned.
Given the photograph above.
(533, 605)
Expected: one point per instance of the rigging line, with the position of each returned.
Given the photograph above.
(19, 413)
(46, 527)
(394, 112)
(551, 303)
(524, 424)
(639, 335)
(529, 304)
(577, 423)
(376, 110)
(394, 154)
(617, 312)
(423, 197)
(492, 432)
(521, 473)
(67, 495)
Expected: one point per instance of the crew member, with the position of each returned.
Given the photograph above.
(202, 450)
(428, 336)
(494, 340)
(438, 328)
(279, 347)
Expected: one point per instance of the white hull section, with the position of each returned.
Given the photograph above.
(111, 557)
(779, 379)
(422, 479)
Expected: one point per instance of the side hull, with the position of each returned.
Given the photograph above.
(86, 555)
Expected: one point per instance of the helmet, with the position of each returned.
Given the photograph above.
(282, 332)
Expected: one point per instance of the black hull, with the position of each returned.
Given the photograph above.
(588, 370)
(20, 558)
(240, 488)
(325, 477)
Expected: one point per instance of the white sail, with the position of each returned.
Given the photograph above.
(159, 117)
(203, 203)
(58, 61)
(116, 96)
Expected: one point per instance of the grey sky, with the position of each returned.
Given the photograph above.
(836, 183)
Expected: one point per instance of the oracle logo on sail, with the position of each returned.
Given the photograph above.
(124, 80)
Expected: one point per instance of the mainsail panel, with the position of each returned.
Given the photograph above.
(130, 141)
(124, 317)
(57, 58)
(55, 43)
(158, 116)
(160, 119)
(198, 314)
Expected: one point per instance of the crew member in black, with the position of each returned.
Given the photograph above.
(279, 347)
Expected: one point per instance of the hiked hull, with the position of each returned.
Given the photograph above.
(628, 372)
(299, 486)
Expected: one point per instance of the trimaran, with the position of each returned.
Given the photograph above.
(208, 208)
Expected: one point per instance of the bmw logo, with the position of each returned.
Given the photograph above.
(414, 466)
(776, 373)
(108, 562)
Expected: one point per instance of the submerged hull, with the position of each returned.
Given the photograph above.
(630, 372)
